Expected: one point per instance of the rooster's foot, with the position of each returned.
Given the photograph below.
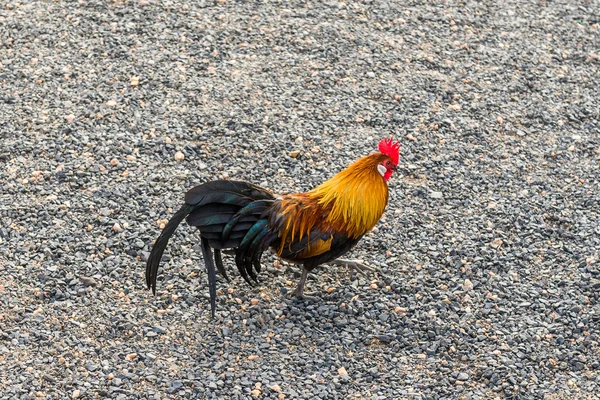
(357, 265)
(302, 296)
(299, 292)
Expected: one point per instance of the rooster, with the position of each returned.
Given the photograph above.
(309, 229)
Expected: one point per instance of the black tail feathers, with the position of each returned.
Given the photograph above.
(161, 244)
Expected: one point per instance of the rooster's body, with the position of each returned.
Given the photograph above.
(310, 229)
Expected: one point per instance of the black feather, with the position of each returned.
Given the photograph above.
(212, 274)
(218, 236)
(255, 209)
(242, 226)
(227, 192)
(160, 245)
(220, 266)
(230, 244)
(239, 262)
(258, 246)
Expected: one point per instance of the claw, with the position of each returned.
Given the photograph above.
(357, 265)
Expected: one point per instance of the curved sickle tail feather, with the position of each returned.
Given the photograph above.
(212, 274)
(161, 243)
(220, 266)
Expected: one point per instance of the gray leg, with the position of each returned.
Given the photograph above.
(357, 265)
(299, 292)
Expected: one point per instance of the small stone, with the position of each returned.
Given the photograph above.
(276, 388)
(179, 156)
(411, 137)
(463, 376)
(114, 162)
(373, 286)
(281, 396)
(70, 118)
(116, 227)
(111, 103)
(497, 243)
(87, 281)
(131, 356)
(342, 372)
(40, 394)
(467, 285)
(76, 393)
(436, 195)
(253, 357)
(255, 393)
(162, 223)
(499, 120)
(294, 153)
(134, 81)
(90, 366)
(254, 302)
(175, 386)
(400, 310)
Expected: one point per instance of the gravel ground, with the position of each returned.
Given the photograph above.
(488, 255)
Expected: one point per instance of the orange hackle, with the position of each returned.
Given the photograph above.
(351, 202)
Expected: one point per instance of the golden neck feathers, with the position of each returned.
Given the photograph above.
(356, 197)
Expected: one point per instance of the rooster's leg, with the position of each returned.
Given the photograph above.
(299, 292)
(357, 265)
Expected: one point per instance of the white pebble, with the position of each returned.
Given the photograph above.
(467, 285)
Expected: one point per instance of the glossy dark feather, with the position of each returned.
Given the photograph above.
(161, 244)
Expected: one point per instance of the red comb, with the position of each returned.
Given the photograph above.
(390, 149)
